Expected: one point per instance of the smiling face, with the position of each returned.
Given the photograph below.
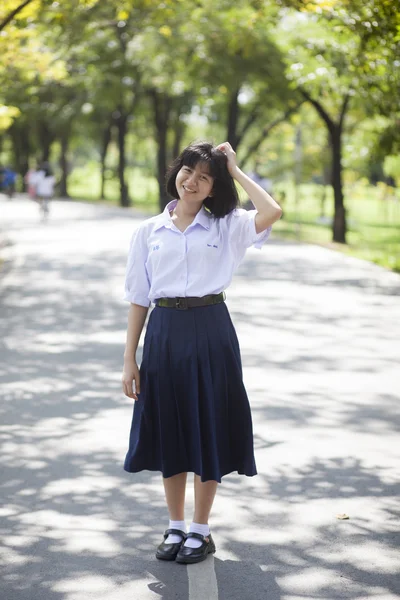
(199, 175)
(194, 184)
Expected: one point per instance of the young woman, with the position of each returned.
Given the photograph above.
(191, 412)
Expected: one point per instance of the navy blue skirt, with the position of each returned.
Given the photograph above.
(193, 414)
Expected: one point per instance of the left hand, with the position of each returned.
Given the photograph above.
(227, 149)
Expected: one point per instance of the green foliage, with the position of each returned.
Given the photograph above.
(7, 116)
(72, 69)
(373, 215)
(85, 185)
(391, 168)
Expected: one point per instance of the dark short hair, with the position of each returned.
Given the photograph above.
(46, 168)
(224, 193)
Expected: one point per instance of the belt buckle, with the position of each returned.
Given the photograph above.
(181, 304)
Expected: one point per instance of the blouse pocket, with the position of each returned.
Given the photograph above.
(206, 253)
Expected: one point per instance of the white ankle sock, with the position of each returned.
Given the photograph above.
(172, 538)
(197, 528)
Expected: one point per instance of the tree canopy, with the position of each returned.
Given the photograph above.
(139, 79)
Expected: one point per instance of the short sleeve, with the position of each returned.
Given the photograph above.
(242, 229)
(137, 284)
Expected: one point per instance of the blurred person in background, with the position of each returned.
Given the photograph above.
(44, 184)
(30, 182)
(8, 178)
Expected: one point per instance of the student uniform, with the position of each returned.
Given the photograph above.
(193, 413)
(44, 185)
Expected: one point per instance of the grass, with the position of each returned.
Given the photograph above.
(373, 213)
(373, 220)
(84, 184)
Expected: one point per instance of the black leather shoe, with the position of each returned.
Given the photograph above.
(169, 551)
(194, 555)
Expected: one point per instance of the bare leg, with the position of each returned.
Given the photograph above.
(175, 488)
(204, 494)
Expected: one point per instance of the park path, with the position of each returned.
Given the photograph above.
(320, 341)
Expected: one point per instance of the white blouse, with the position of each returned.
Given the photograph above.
(44, 185)
(164, 262)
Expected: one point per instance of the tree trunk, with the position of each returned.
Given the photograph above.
(162, 164)
(64, 164)
(122, 131)
(25, 148)
(19, 133)
(339, 220)
(16, 146)
(326, 180)
(233, 117)
(178, 135)
(104, 149)
(45, 141)
(335, 140)
(162, 108)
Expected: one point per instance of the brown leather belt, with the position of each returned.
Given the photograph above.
(190, 301)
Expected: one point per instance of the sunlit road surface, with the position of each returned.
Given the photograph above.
(320, 339)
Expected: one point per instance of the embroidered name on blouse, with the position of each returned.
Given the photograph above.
(164, 262)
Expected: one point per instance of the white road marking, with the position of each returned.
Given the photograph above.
(203, 580)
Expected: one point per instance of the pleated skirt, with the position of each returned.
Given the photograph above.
(193, 413)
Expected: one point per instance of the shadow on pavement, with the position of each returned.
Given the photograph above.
(73, 520)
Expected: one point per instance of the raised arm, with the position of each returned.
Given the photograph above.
(268, 211)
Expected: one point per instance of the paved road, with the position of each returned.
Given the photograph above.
(320, 340)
